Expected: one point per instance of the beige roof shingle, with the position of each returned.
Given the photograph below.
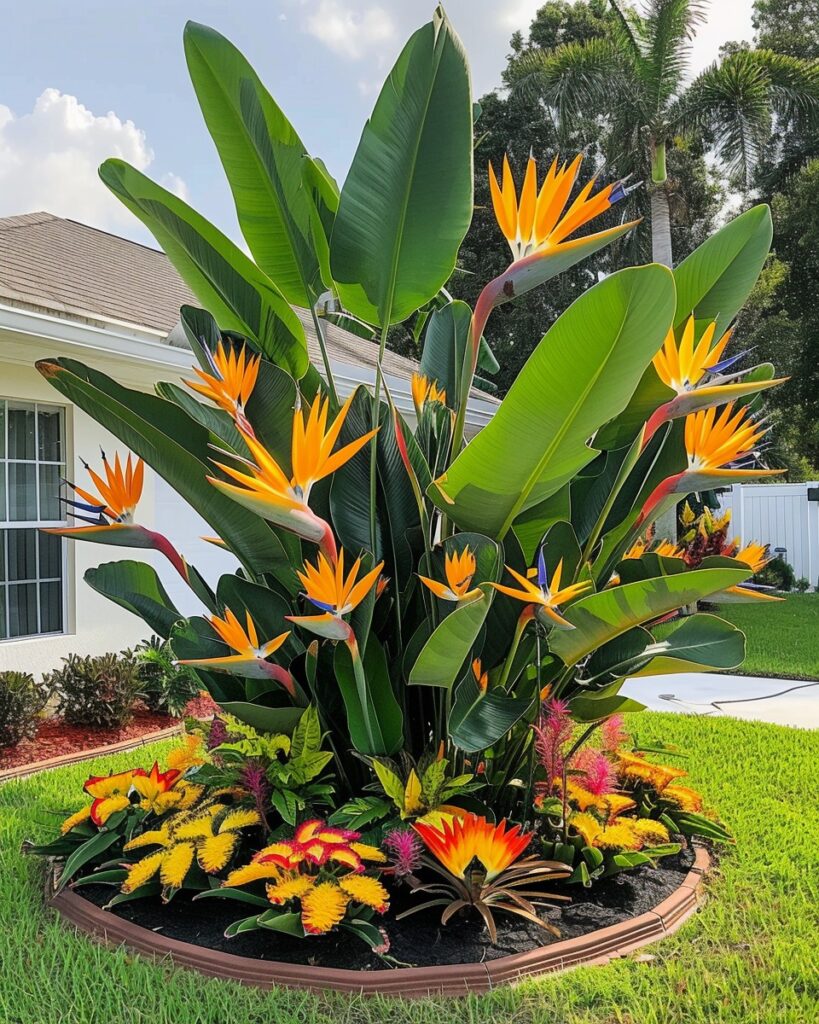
(59, 265)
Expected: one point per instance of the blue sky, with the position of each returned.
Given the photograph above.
(85, 80)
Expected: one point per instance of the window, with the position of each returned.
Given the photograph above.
(32, 564)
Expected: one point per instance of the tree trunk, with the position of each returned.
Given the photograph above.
(660, 225)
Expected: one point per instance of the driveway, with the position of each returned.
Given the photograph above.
(780, 701)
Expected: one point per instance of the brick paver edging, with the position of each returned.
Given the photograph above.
(598, 947)
(24, 770)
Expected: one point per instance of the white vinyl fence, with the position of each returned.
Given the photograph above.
(786, 516)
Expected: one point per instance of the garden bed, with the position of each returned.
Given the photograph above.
(56, 743)
(599, 924)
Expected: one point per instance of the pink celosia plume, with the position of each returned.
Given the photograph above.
(404, 849)
(552, 733)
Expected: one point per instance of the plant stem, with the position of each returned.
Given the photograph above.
(331, 384)
(382, 341)
(520, 627)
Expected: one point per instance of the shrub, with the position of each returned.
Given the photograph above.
(96, 690)
(802, 585)
(777, 573)
(21, 701)
(164, 686)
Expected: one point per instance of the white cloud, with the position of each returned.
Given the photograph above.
(519, 14)
(49, 160)
(348, 32)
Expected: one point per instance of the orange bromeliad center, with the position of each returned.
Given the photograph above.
(459, 841)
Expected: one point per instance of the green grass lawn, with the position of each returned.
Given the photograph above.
(783, 637)
(748, 956)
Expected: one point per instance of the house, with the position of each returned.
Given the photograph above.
(67, 289)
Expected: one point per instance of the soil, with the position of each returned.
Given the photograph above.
(54, 738)
(419, 940)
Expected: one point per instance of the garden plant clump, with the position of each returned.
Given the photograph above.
(21, 702)
(98, 691)
(420, 655)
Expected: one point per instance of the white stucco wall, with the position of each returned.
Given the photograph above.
(93, 624)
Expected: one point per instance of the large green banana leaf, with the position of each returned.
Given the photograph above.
(263, 159)
(238, 294)
(177, 448)
(716, 279)
(407, 201)
(480, 718)
(445, 342)
(603, 616)
(581, 375)
(136, 587)
(702, 643)
(443, 655)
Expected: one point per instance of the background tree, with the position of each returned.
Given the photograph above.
(518, 124)
(782, 320)
(635, 75)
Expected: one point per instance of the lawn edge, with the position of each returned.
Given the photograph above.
(62, 760)
(598, 947)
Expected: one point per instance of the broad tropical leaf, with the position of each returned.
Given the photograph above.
(136, 587)
(582, 374)
(238, 294)
(407, 201)
(716, 279)
(263, 158)
(601, 617)
(478, 719)
(374, 718)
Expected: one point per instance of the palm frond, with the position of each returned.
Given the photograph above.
(669, 27)
(575, 78)
(738, 99)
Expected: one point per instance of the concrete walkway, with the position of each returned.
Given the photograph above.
(749, 697)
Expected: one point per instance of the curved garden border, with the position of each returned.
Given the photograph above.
(597, 947)
(62, 760)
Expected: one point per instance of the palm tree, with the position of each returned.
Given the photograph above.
(636, 78)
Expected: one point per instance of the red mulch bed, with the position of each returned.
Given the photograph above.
(55, 738)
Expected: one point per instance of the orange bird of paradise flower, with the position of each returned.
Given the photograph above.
(425, 389)
(459, 568)
(231, 381)
(543, 594)
(111, 513)
(756, 556)
(537, 227)
(695, 371)
(539, 221)
(716, 447)
(335, 594)
(459, 841)
(251, 656)
(266, 489)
